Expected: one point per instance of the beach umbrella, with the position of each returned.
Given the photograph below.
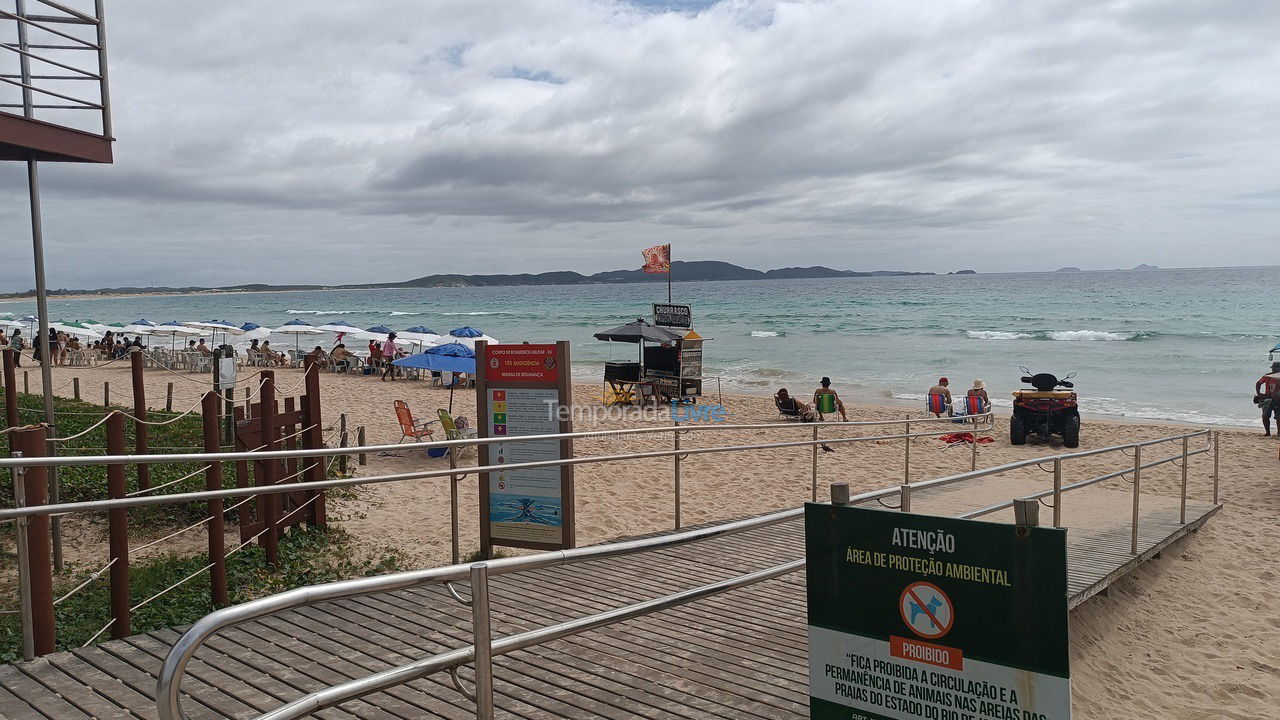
(338, 326)
(379, 330)
(256, 333)
(420, 330)
(12, 323)
(141, 326)
(466, 331)
(297, 328)
(422, 336)
(638, 331)
(77, 329)
(468, 336)
(174, 328)
(450, 357)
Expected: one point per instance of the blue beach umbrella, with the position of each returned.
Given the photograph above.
(421, 330)
(380, 330)
(466, 331)
(450, 357)
(250, 326)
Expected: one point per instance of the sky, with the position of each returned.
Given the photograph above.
(335, 142)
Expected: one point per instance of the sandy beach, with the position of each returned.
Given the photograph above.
(1189, 635)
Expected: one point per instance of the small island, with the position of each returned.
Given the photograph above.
(1069, 269)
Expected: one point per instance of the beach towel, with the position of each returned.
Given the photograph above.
(965, 437)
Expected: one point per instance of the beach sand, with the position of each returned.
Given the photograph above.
(1193, 634)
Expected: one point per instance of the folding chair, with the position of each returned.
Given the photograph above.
(409, 428)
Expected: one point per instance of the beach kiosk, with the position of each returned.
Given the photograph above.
(626, 382)
(674, 370)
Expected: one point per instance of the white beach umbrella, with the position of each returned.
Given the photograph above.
(259, 333)
(76, 329)
(297, 328)
(9, 322)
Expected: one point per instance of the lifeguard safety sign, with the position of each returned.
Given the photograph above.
(521, 390)
(914, 616)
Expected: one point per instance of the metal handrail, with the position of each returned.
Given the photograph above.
(26, 80)
(174, 498)
(168, 702)
(71, 460)
(483, 649)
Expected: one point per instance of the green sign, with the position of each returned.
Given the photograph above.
(915, 616)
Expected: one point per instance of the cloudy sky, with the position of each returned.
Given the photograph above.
(352, 142)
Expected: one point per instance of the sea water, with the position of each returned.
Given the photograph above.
(1180, 345)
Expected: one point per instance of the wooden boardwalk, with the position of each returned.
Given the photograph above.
(741, 654)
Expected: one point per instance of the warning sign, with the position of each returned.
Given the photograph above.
(915, 616)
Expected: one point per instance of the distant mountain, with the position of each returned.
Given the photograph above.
(1146, 267)
(681, 271)
(1069, 269)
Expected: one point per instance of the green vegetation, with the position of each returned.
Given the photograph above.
(306, 557)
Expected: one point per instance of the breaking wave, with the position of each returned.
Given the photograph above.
(765, 333)
(1059, 335)
(322, 312)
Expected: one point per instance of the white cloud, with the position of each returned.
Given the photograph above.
(350, 142)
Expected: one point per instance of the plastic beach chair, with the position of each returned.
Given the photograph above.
(453, 432)
(936, 403)
(409, 428)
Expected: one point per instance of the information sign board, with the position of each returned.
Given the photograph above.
(521, 391)
(916, 616)
(668, 315)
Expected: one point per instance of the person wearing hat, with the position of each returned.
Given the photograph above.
(979, 389)
(1266, 393)
(942, 389)
(826, 400)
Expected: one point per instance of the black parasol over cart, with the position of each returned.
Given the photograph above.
(670, 368)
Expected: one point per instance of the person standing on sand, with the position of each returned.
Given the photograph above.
(828, 404)
(942, 389)
(15, 342)
(1267, 394)
(389, 354)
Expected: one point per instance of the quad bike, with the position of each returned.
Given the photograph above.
(1046, 410)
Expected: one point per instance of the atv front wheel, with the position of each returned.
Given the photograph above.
(1071, 432)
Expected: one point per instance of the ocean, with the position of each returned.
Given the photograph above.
(1174, 345)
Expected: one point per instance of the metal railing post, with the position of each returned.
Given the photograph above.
(973, 446)
(1057, 492)
(1182, 513)
(483, 640)
(1137, 488)
(813, 480)
(1216, 442)
(453, 496)
(24, 572)
(906, 470)
(676, 467)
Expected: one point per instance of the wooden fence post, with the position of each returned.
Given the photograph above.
(363, 459)
(26, 383)
(35, 479)
(140, 429)
(313, 439)
(213, 481)
(168, 398)
(118, 532)
(75, 388)
(106, 395)
(271, 502)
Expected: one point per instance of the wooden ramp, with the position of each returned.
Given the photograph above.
(741, 654)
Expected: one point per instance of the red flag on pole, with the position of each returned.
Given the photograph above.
(657, 259)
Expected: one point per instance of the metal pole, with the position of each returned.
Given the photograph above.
(1137, 486)
(1216, 442)
(1057, 492)
(453, 493)
(973, 446)
(676, 461)
(24, 572)
(906, 470)
(42, 309)
(103, 84)
(813, 459)
(483, 640)
(1182, 515)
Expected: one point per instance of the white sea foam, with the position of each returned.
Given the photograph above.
(397, 312)
(997, 335)
(1093, 335)
(322, 312)
(477, 312)
(764, 333)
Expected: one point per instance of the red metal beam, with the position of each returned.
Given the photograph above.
(22, 138)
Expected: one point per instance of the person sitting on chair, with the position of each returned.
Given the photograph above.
(942, 389)
(979, 390)
(826, 400)
(792, 407)
(341, 357)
